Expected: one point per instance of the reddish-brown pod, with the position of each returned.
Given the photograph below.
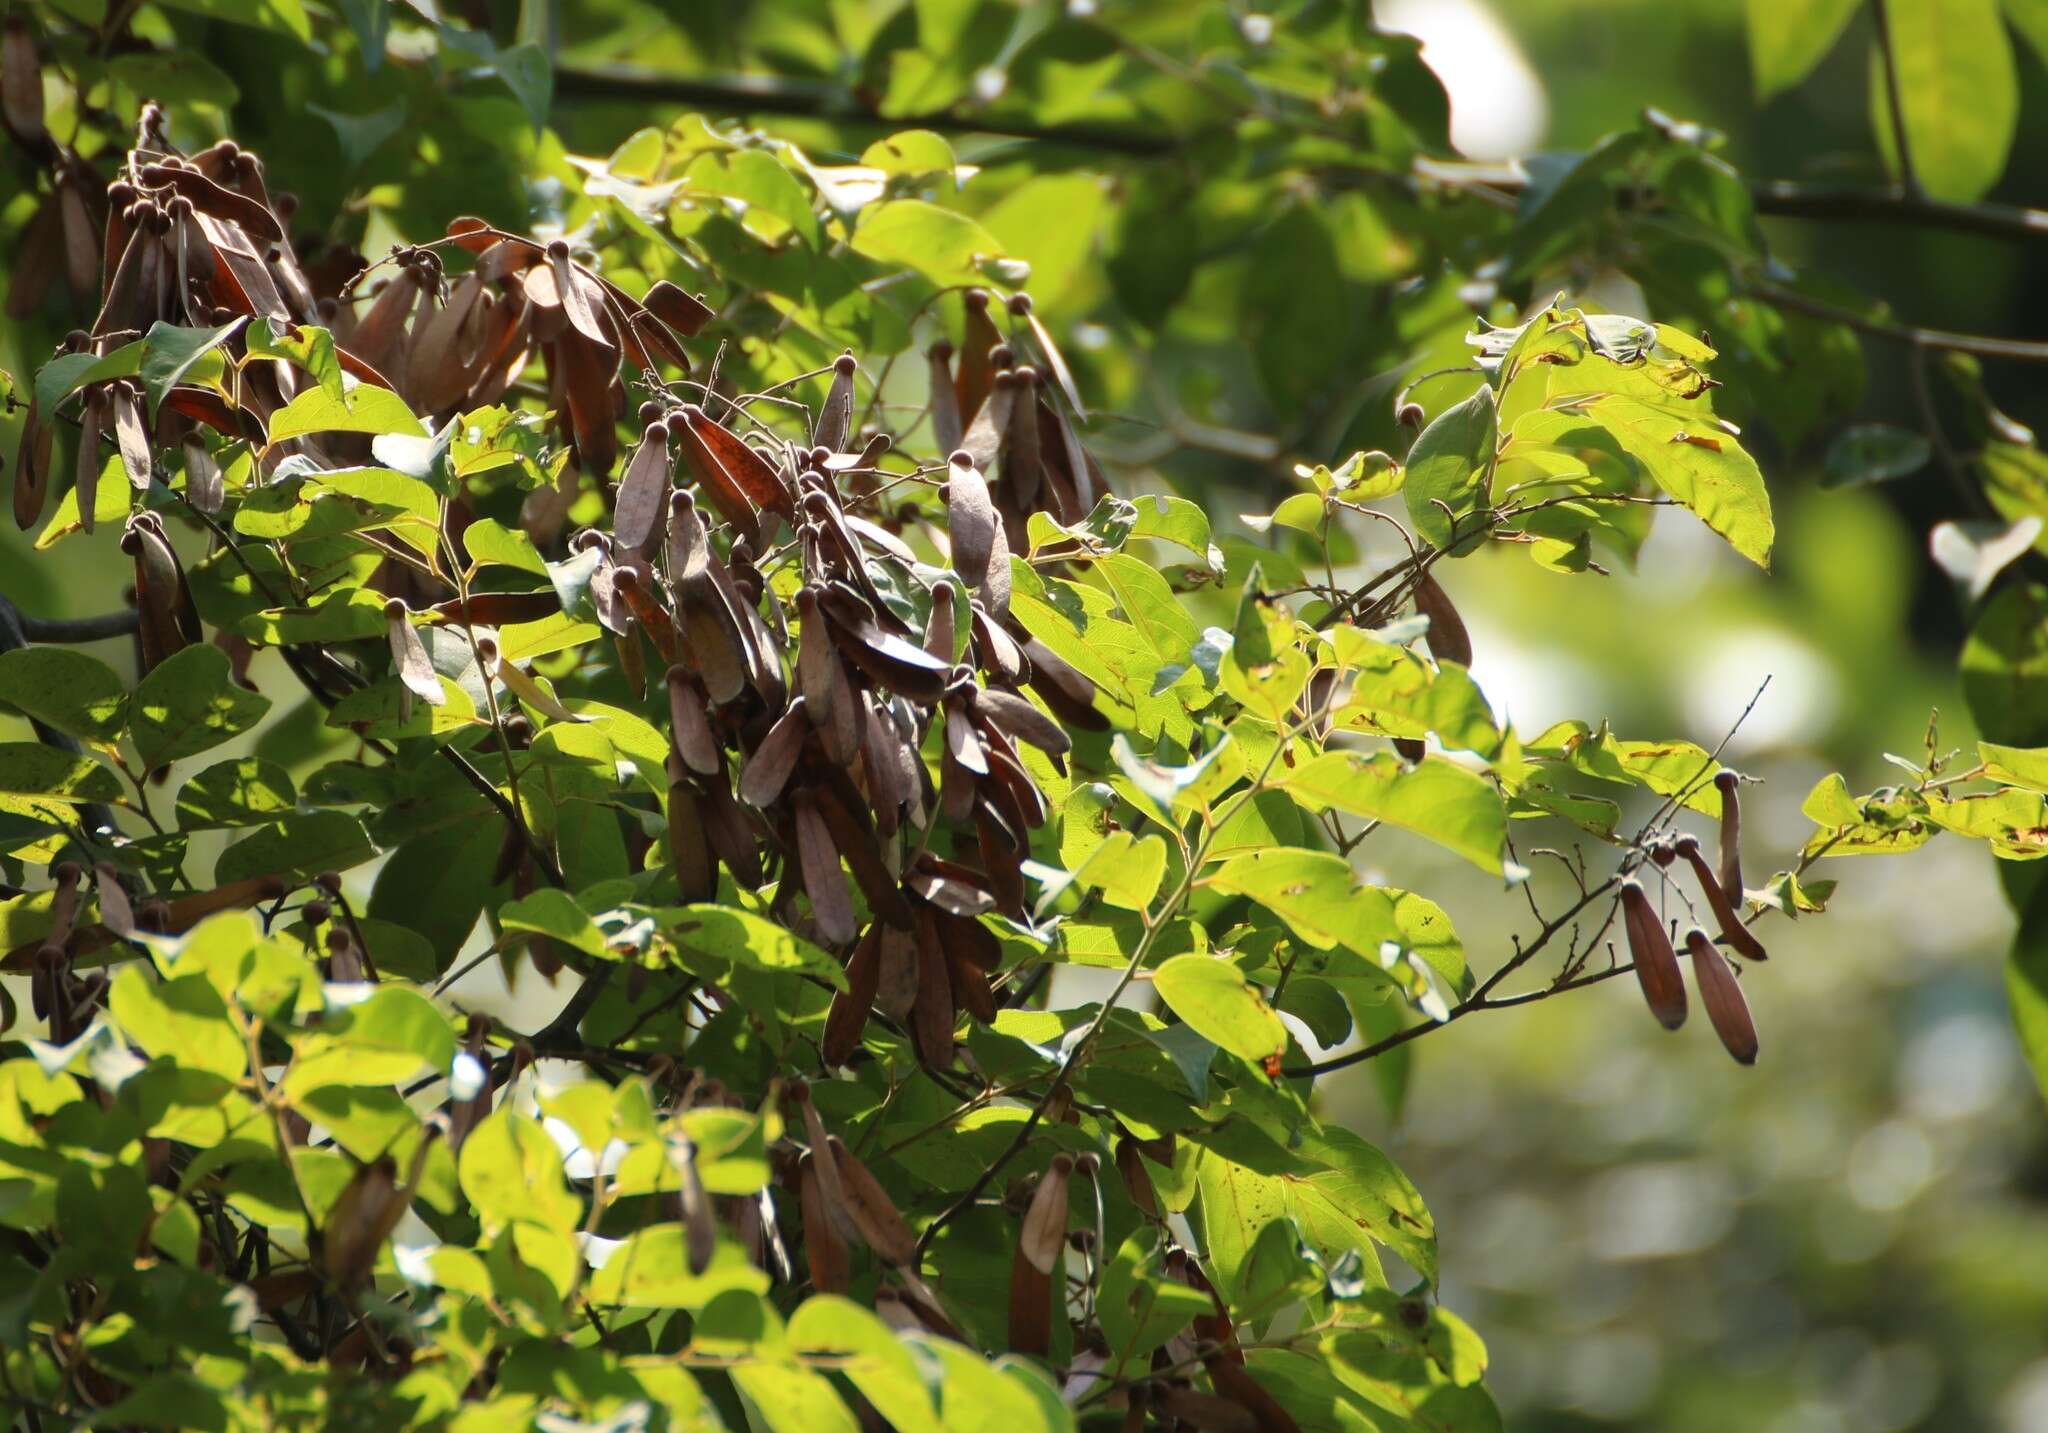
(1656, 962)
(1721, 994)
(1034, 1270)
(1726, 916)
(1730, 786)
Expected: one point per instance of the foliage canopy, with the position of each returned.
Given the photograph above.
(721, 580)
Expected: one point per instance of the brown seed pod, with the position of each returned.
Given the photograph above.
(1721, 993)
(688, 843)
(818, 864)
(738, 480)
(874, 1214)
(977, 374)
(370, 1206)
(409, 658)
(1040, 1243)
(642, 499)
(986, 436)
(95, 416)
(582, 300)
(693, 1205)
(824, 1246)
(1726, 916)
(169, 621)
(116, 914)
(1656, 963)
(947, 429)
(835, 418)
(1014, 716)
(21, 82)
(1070, 694)
(203, 482)
(767, 770)
(1448, 639)
(1063, 375)
(1137, 1180)
(130, 435)
(970, 519)
(1730, 872)
(932, 1013)
(689, 725)
(215, 201)
(848, 1018)
(1023, 463)
(32, 468)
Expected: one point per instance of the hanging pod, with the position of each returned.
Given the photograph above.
(1721, 994)
(1656, 964)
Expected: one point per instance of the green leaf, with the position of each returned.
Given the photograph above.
(1212, 996)
(1180, 522)
(489, 541)
(1319, 897)
(2015, 766)
(1141, 1306)
(944, 246)
(1959, 90)
(246, 791)
(28, 768)
(1437, 799)
(651, 1268)
(66, 689)
(2026, 985)
(191, 704)
(555, 914)
(170, 352)
(308, 346)
(184, 1018)
(365, 408)
(1449, 468)
(301, 845)
(511, 1171)
(866, 1352)
(1787, 38)
(2005, 666)
(1691, 457)
(745, 939)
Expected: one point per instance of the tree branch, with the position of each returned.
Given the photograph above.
(772, 94)
(2016, 350)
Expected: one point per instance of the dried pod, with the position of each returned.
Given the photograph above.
(642, 499)
(581, 299)
(985, 438)
(767, 770)
(818, 863)
(1738, 935)
(689, 726)
(1011, 714)
(824, 1246)
(1040, 1243)
(1721, 993)
(977, 374)
(116, 914)
(945, 403)
(835, 419)
(738, 480)
(688, 841)
(880, 1222)
(21, 82)
(693, 1204)
(1137, 1179)
(203, 482)
(169, 621)
(970, 519)
(32, 469)
(1023, 462)
(932, 1011)
(1448, 639)
(1069, 693)
(130, 435)
(1656, 963)
(370, 1206)
(95, 416)
(1730, 872)
(409, 658)
(848, 1018)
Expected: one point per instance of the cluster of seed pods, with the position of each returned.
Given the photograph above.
(1656, 960)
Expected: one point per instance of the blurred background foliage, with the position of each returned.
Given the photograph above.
(1850, 1237)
